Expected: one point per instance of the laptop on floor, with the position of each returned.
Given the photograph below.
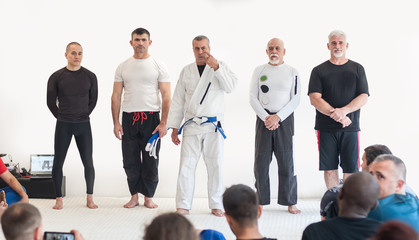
(41, 166)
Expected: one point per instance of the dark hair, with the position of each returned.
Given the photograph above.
(360, 191)
(20, 220)
(140, 31)
(400, 168)
(200, 38)
(72, 43)
(241, 203)
(170, 226)
(373, 151)
(395, 230)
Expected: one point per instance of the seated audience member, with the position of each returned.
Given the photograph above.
(14, 192)
(242, 211)
(171, 226)
(23, 221)
(395, 230)
(328, 205)
(357, 197)
(394, 202)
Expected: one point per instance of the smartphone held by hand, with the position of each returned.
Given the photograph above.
(58, 236)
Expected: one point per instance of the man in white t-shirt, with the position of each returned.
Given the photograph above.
(274, 96)
(141, 79)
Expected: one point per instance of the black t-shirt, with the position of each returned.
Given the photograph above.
(76, 93)
(201, 69)
(341, 228)
(339, 85)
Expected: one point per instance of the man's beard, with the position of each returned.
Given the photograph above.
(273, 62)
(337, 55)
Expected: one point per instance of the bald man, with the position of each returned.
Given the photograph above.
(357, 197)
(274, 95)
(394, 202)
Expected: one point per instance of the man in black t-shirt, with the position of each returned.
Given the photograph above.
(356, 199)
(71, 97)
(338, 88)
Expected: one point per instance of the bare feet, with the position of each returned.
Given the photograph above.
(182, 211)
(133, 202)
(89, 202)
(217, 212)
(293, 209)
(148, 203)
(58, 203)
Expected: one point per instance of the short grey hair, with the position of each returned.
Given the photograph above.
(201, 37)
(337, 33)
(400, 167)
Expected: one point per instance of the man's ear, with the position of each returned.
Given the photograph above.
(229, 219)
(38, 233)
(259, 211)
(399, 186)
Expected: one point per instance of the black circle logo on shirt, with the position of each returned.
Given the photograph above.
(264, 88)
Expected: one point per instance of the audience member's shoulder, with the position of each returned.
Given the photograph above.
(209, 234)
(410, 191)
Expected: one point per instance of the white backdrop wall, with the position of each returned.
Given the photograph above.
(382, 37)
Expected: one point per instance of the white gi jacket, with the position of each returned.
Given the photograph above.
(188, 99)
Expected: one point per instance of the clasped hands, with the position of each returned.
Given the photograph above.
(272, 122)
(339, 115)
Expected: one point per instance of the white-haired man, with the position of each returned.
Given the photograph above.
(338, 88)
(274, 95)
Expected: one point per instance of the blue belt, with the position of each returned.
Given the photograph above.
(203, 120)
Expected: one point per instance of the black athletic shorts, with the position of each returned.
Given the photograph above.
(338, 149)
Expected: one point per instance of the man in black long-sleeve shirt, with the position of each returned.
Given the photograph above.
(71, 97)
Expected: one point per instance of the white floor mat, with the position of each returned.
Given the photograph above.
(112, 221)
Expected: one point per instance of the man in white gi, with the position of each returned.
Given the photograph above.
(199, 99)
(141, 78)
(274, 95)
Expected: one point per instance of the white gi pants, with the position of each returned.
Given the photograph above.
(212, 147)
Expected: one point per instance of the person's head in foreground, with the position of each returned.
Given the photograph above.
(22, 221)
(370, 153)
(395, 230)
(390, 173)
(170, 226)
(358, 196)
(242, 211)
